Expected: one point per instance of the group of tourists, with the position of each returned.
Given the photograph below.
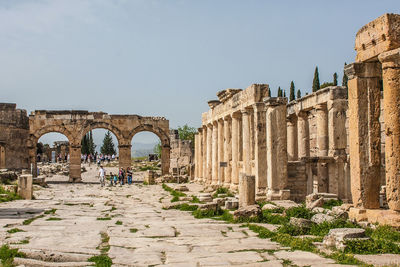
(116, 178)
(99, 158)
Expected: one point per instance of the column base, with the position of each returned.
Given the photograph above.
(283, 194)
(74, 180)
(233, 187)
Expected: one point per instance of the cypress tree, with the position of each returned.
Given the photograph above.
(92, 146)
(335, 79)
(84, 145)
(284, 93)
(108, 145)
(345, 78)
(298, 94)
(279, 92)
(269, 92)
(291, 92)
(316, 85)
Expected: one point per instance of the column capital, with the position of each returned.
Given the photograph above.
(292, 119)
(259, 106)
(237, 115)
(390, 59)
(363, 70)
(321, 107)
(227, 118)
(245, 111)
(302, 114)
(200, 130)
(275, 101)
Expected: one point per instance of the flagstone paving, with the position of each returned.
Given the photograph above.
(140, 232)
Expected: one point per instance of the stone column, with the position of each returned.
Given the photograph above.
(276, 148)
(125, 159)
(205, 153)
(220, 152)
(292, 138)
(235, 151)
(303, 135)
(75, 163)
(247, 190)
(227, 150)
(260, 148)
(246, 142)
(209, 153)
(196, 157)
(322, 129)
(165, 159)
(364, 132)
(391, 96)
(214, 153)
(199, 165)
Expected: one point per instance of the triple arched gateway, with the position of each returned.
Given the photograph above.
(76, 123)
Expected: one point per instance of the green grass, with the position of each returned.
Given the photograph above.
(103, 218)
(53, 219)
(174, 193)
(52, 211)
(7, 195)
(299, 212)
(332, 203)
(133, 230)
(148, 168)
(15, 230)
(223, 190)
(30, 220)
(113, 208)
(7, 255)
(195, 199)
(101, 260)
(118, 222)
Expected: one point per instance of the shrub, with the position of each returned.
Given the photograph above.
(269, 217)
(332, 203)
(322, 229)
(7, 255)
(370, 246)
(299, 212)
(385, 232)
(101, 260)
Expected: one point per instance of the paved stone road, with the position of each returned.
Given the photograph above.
(148, 236)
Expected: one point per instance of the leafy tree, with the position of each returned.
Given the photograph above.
(39, 148)
(187, 133)
(157, 149)
(108, 145)
(316, 85)
(345, 78)
(298, 94)
(335, 79)
(279, 92)
(292, 90)
(84, 145)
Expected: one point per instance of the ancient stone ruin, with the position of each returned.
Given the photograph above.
(325, 142)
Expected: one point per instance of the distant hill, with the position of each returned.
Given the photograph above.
(142, 149)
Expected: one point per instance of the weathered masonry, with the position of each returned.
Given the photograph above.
(378, 59)
(292, 149)
(14, 131)
(75, 124)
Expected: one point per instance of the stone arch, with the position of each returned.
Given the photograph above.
(165, 143)
(91, 125)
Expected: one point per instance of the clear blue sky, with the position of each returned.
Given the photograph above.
(168, 58)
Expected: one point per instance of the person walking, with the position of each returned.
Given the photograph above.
(121, 176)
(102, 175)
(129, 175)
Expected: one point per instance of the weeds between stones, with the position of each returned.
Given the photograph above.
(7, 255)
(174, 193)
(133, 230)
(6, 196)
(53, 219)
(15, 230)
(103, 218)
(332, 203)
(118, 223)
(30, 220)
(52, 211)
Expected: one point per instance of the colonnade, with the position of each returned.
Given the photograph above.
(241, 142)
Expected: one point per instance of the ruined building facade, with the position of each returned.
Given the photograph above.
(333, 141)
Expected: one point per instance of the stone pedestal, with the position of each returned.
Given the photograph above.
(276, 146)
(25, 188)
(150, 177)
(364, 132)
(227, 151)
(247, 190)
(391, 84)
(75, 164)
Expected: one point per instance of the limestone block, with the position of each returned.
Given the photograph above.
(247, 190)
(205, 197)
(25, 187)
(336, 238)
(208, 206)
(250, 211)
(321, 217)
(231, 203)
(220, 202)
(269, 207)
(301, 222)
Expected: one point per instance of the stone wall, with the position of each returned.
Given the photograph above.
(14, 132)
(181, 153)
(297, 180)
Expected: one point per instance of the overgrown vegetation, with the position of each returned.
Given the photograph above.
(7, 255)
(103, 218)
(174, 193)
(30, 220)
(101, 260)
(118, 222)
(223, 190)
(332, 203)
(53, 219)
(15, 230)
(52, 211)
(133, 230)
(6, 196)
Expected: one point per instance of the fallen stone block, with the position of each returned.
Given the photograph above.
(231, 203)
(269, 206)
(301, 222)
(208, 206)
(286, 204)
(337, 238)
(250, 211)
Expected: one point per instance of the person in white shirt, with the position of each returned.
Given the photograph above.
(102, 175)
